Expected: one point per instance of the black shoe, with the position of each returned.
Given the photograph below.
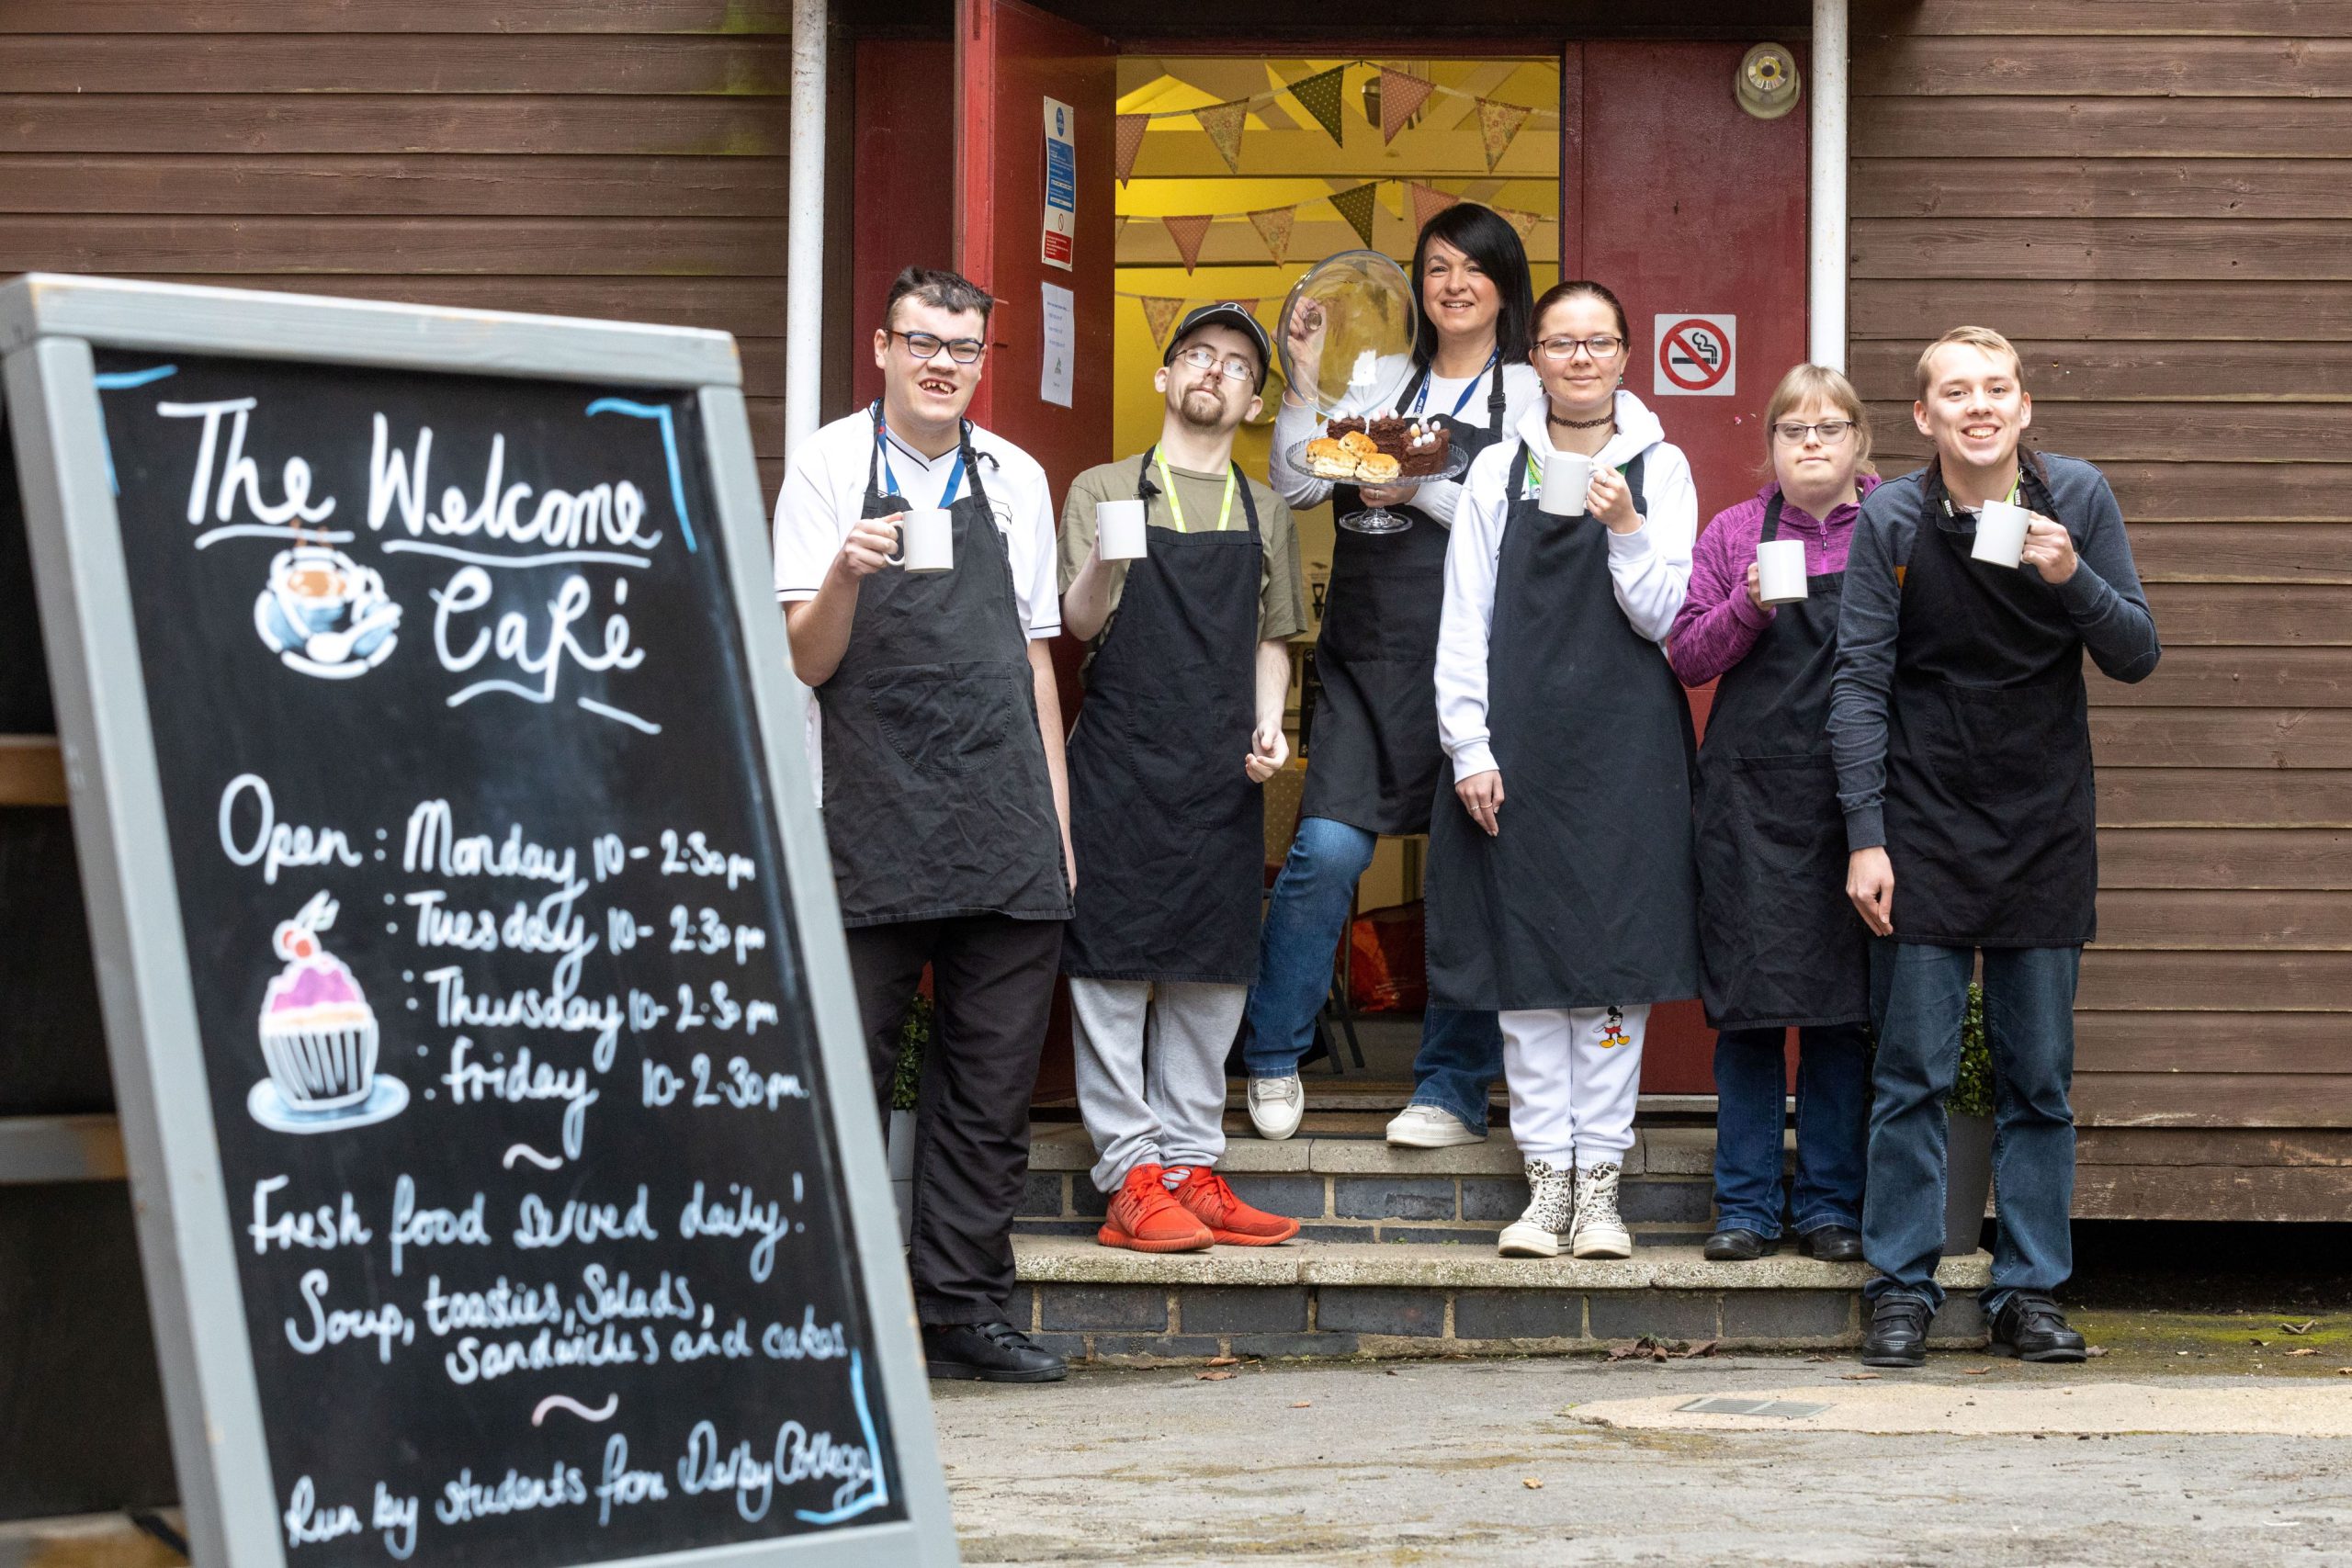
(987, 1352)
(1832, 1243)
(1737, 1245)
(2031, 1327)
(1898, 1336)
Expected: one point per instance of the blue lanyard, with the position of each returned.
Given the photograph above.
(891, 480)
(1423, 395)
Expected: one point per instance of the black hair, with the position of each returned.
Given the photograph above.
(940, 290)
(1577, 289)
(1486, 238)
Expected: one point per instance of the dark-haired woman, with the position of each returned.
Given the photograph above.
(1568, 903)
(1375, 759)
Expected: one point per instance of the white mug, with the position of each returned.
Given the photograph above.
(1566, 477)
(2000, 533)
(1780, 571)
(1119, 530)
(926, 540)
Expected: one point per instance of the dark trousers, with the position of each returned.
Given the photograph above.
(1833, 1111)
(992, 991)
(1920, 994)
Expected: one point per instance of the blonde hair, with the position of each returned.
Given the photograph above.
(1803, 385)
(1984, 338)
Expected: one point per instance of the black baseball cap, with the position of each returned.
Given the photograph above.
(1225, 313)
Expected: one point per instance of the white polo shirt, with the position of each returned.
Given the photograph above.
(824, 491)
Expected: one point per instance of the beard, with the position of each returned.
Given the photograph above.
(1202, 410)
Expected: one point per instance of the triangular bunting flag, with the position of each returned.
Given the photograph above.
(1428, 202)
(1160, 314)
(1320, 96)
(1188, 232)
(1127, 138)
(1357, 207)
(1273, 226)
(1524, 222)
(1498, 123)
(1402, 94)
(1223, 122)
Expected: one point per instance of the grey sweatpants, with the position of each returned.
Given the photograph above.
(1151, 1070)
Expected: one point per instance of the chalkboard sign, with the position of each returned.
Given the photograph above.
(511, 1191)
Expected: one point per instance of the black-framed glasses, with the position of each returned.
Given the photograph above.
(1201, 357)
(1832, 431)
(926, 345)
(1601, 345)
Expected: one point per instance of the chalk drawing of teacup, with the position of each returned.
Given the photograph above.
(325, 614)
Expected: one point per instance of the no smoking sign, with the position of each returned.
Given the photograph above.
(1696, 357)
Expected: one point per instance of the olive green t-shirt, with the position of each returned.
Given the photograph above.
(1282, 594)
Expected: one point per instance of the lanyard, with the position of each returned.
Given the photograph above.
(1423, 395)
(891, 480)
(1176, 507)
(1535, 469)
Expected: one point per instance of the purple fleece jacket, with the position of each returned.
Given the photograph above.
(1717, 625)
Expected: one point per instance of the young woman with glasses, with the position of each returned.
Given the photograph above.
(1780, 947)
(1376, 760)
(1560, 889)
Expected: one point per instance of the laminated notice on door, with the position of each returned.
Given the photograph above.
(1057, 365)
(1060, 242)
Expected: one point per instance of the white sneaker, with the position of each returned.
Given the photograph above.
(1598, 1232)
(1551, 1211)
(1276, 1106)
(1426, 1127)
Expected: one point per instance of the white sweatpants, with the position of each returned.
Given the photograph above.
(1574, 1076)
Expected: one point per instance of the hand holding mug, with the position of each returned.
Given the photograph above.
(871, 545)
(1269, 750)
(1755, 586)
(1610, 498)
(1482, 795)
(1870, 883)
(2048, 549)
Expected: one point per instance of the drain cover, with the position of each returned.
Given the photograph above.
(1782, 1409)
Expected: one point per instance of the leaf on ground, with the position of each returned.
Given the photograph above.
(1975, 1372)
(1225, 1361)
(1820, 1358)
(2095, 1351)
(1219, 1376)
(1302, 1405)
(2344, 1371)
(1693, 1352)
(1858, 1377)
(2303, 1327)
(2306, 1350)
(2259, 1342)
(1532, 1485)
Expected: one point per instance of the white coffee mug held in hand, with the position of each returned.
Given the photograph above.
(1119, 530)
(1780, 571)
(927, 540)
(1566, 477)
(2000, 533)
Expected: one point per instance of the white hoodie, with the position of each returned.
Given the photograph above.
(1649, 569)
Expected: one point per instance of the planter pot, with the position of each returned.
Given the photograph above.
(1968, 1182)
(902, 1171)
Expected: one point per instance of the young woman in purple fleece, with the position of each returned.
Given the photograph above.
(1780, 947)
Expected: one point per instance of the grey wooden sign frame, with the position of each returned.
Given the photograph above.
(49, 326)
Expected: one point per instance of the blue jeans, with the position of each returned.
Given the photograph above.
(1461, 1053)
(1919, 993)
(1833, 1111)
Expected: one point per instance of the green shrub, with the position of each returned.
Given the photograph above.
(1972, 1092)
(914, 1039)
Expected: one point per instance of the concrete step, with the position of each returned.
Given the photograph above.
(1339, 1299)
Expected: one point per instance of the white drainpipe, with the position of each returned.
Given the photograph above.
(1826, 281)
(804, 279)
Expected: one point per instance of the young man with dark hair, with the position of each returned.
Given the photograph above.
(1958, 724)
(943, 783)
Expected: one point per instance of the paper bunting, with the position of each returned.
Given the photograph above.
(1160, 314)
(1428, 202)
(1188, 233)
(1223, 122)
(1357, 206)
(1273, 226)
(1498, 123)
(1524, 222)
(1402, 94)
(1320, 96)
(1126, 135)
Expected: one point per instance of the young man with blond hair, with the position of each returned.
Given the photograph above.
(1958, 724)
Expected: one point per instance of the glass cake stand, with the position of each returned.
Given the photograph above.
(1379, 519)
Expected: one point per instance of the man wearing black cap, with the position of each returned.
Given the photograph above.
(1188, 669)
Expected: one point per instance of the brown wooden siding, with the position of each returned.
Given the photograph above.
(2153, 198)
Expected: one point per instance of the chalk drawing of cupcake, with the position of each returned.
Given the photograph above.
(318, 1038)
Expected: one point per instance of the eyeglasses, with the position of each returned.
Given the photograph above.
(1833, 430)
(926, 345)
(1601, 346)
(1200, 356)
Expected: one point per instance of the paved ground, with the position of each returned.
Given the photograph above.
(1500, 1462)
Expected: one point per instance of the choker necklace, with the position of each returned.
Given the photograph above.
(1551, 418)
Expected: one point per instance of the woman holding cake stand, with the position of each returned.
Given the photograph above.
(1376, 761)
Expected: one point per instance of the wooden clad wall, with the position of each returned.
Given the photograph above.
(2153, 199)
(614, 158)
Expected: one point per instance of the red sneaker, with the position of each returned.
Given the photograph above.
(1231, 1221)
(1144, 1218)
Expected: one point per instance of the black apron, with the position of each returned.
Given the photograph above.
(1168, 832)
(1587, 897)
(1377, 758)
(937, 800)
(1990, 820)
(1779, 943)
